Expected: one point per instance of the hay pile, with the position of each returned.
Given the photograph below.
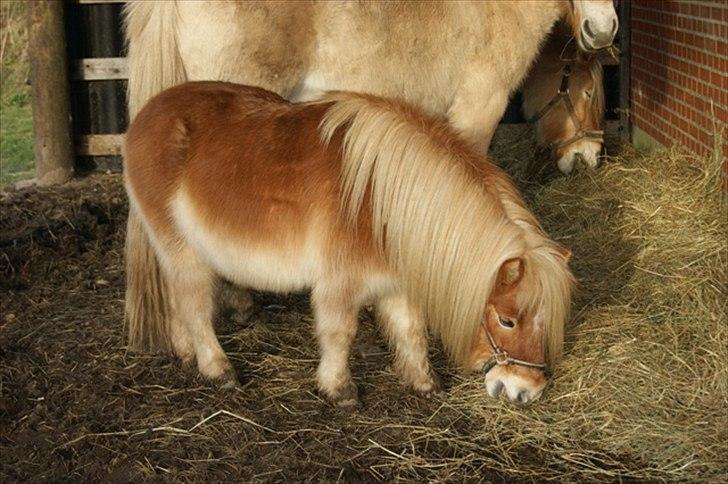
(641, 392)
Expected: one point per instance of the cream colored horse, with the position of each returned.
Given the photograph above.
(460, 60)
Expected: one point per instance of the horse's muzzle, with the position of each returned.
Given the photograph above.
(593, 38)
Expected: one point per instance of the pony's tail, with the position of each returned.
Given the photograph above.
(153, 55)
(154, 65)
(147, 311)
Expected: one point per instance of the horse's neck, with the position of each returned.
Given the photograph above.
(514, 33)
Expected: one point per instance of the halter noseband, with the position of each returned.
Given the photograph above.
(500, 357)
(563, 95)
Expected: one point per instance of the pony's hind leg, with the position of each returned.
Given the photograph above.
(192, 285)
(336, 313)
(407, 333)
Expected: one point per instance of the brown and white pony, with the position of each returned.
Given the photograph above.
(563, 95)
(360, 199)
(460, 60)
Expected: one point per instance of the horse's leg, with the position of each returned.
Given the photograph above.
(475, 113)
(182, 341)
(406, 330)
(336, 313)
(235, 301)
(191, 284)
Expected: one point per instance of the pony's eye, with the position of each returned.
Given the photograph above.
(506, 323)
(587, 94)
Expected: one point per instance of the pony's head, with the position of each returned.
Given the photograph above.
(593, 23)
(521, 334)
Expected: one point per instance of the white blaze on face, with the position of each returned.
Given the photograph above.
(516, 388)
(599, 23)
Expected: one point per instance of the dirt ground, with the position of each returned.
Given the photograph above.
(76, 406)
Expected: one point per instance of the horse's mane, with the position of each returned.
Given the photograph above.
(447, 245)
(597, 98)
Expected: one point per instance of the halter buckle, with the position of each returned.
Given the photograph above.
(501, 357)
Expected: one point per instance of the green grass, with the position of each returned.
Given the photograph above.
(16, 139)
(16, 132)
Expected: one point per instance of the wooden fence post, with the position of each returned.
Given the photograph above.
(53, 144)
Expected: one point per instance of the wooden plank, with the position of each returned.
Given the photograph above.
(100, 69)
(99, 145)
(92, 2)
(52, 141)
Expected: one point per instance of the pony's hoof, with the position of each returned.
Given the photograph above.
(188, 363)
(347, 398)
(228, 380)
(432, 388)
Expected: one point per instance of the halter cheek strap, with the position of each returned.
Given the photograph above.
(500, 357)
(563, 95)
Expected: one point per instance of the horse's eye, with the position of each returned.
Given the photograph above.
(588, 94)
(506, 323)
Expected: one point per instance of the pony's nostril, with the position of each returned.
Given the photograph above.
(523, 397)
(587, 29)
(496, 389)
(615, 25)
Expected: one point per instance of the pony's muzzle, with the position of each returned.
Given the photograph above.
(514, 386)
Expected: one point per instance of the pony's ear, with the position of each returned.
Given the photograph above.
(564, 252)
(511, 272)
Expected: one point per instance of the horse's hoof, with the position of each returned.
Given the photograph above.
(188, 364)
(228, 380)
(432, 388)
(347, 398)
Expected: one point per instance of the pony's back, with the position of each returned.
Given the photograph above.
(238, 152)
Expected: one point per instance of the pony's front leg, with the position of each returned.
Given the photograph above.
(336, 312)
(407, 333)
(191, 285)
(476, 111)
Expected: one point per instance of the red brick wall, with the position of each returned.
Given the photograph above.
(679, 53)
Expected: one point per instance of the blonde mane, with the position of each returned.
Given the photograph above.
(446, 246)
(597, 98)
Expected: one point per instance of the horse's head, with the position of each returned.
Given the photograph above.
(593, 23)
(520, 336)
(571, 103)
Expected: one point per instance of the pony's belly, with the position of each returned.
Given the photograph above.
(279, 263)
(279, 270)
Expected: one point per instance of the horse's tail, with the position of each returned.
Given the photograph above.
(153, 55)
(154, 65)
(147, 311)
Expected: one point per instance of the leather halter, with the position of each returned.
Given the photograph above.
(500, 357)
(563, 95)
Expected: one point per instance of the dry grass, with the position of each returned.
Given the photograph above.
(642, 390)
(641, 393)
